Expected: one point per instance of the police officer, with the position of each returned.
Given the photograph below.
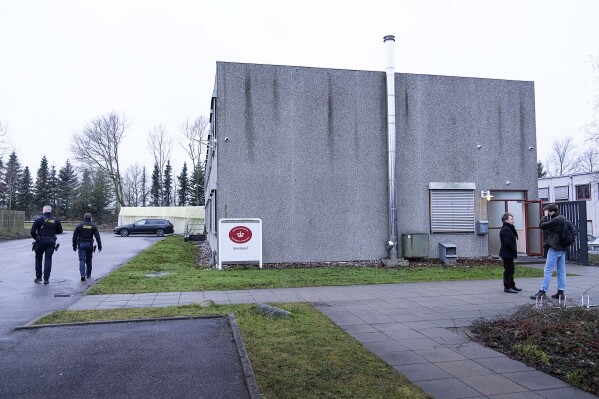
(43, 231)
(83, 237)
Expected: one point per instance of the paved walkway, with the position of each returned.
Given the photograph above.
(407, 326)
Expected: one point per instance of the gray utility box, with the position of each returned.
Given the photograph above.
(482, 227)
(414, 245)
(448, 252)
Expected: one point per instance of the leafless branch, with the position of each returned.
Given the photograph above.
(98, 145)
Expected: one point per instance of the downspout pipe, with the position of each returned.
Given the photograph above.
(392, 246)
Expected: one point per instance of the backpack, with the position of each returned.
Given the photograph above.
(568, 234)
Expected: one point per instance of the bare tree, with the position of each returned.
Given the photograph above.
(98, 144)
(564, 160)
(160, 145)
(4, 143)
(589, 161)
(193, 138)
(592, 129)
(133, 185)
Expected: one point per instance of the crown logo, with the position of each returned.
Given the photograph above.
(240, 234)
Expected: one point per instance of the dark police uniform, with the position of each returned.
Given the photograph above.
(44, 230)
(83, 237)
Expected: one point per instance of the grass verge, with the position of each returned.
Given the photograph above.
(302, 356)
(177, 260)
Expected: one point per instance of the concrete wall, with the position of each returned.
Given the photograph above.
(305, 150)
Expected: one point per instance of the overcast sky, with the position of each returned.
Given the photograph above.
(65, 62)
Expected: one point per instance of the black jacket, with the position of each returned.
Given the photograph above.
(508, 237)
(46, 226)
(86, 231)
(554, 226)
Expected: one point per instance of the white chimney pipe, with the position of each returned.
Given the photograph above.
(389, 41)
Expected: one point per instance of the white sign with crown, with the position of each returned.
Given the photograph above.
(239, 241)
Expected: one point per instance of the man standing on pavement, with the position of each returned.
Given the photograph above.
(83, 237)
(43, 231)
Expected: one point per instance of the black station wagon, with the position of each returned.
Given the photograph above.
(159, 227)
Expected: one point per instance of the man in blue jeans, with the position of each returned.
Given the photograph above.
(83, 238)
(556, 254)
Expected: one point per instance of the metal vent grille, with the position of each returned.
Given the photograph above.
(452, 211)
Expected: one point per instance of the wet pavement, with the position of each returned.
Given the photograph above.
(177, 358)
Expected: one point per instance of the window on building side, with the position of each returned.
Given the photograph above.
(561, 193)
(544, 194)
(452, 211)
(583, 192)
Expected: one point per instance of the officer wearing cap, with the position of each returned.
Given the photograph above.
(83, 238)
(43, 231)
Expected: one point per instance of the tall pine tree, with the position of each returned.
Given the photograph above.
(42, 184)
(197, 185)
(2, 186)
(155, 199)
(25, 195)
(183, 192)
(144, 188)
(67, 191)
(12, 174)
(167, 185)
(53, 187)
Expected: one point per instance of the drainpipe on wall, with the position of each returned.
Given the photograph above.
(392, 246)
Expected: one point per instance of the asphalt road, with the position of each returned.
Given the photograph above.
(22, 300)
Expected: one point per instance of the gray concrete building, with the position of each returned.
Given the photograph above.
(306, 151)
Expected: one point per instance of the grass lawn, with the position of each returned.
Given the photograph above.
(178, 259)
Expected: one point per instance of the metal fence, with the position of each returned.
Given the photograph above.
(12, 220)
(576, 212)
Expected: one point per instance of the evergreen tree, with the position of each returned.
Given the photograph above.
(53, 189)
(12, 174)
(25, 194)
(167, 185)
(183, 192)
(67, 190)
(102, 197)
(155, 188)
(541, 172)
(2, 186)
(144, 188)
(42, 184)
(197, 186)
(84, 198)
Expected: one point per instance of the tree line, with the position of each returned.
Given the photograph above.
(100, 187)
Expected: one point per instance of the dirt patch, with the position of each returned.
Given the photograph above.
(557, 340)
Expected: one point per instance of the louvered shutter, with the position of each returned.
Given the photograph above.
(452, 211)
(561, 193)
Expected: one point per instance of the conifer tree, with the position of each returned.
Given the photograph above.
(25, 194)
(167, 185)
(42, 184)
(183, 192)
(155, 199)
(67, 190)
(12, 174)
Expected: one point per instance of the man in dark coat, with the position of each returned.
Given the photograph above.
(83, 238)
(553, 222)
(43, 231)
(508, 236)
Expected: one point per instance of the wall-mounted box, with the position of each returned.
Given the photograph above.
(414, 245)
(448, 252)
(482, 227)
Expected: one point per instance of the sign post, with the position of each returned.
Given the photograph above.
(239, 241)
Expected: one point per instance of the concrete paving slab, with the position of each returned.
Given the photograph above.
(182, 358)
